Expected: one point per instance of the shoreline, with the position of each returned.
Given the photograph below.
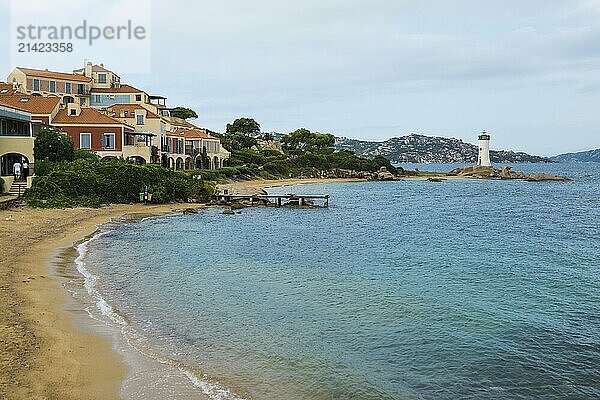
(45, 352)
(50, 347)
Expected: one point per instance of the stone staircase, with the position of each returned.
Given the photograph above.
(17, 188)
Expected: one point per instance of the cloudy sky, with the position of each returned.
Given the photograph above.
(528, 72)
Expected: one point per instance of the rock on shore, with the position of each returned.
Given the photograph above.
(505, 172)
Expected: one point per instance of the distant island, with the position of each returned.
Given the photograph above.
(582, 156)
(416, 148)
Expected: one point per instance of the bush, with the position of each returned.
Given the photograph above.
(92, 183)
(50, 144)
(86, 154)
(278, 168)
(242, 157)
(43, 167)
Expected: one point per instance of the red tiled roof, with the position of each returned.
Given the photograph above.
(95, 68)
(195, 134)
(6, 89)
(44, 73)
(37, 105)
(88, 116)
(120, 89)
(130, 108)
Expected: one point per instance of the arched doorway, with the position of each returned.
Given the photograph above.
(8, 160)
(188, 163)
(216, 163)
(171, 163)
(137, 160)
(179, 163)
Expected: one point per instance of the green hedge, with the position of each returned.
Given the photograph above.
(92, 183)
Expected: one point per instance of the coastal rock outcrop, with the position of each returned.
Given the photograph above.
(384, 175)
(547, 177)
(504, 172)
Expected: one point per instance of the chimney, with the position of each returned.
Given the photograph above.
(102, 65)
(88, 69)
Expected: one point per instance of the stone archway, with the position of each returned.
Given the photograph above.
(171, 163)
(179, 163)
(8, 160)
(139, 160)
(216, 163)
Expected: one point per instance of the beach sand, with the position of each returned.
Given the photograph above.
(43, 355)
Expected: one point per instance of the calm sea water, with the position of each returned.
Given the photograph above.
(400, 290)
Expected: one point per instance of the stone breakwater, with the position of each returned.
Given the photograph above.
(505, 172)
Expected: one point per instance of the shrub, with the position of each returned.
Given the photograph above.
(43, 167)
(242, 157)
(85, 154)
(53, 145)
(278, 168)
(92, 183)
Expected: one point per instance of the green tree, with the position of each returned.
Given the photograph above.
(185, 113)
(245, 126)
(52, 145)
(304, 141)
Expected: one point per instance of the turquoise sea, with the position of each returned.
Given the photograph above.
(400, 290)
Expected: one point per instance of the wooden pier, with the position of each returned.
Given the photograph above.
(300, 200)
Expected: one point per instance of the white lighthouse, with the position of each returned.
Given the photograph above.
(484, 150)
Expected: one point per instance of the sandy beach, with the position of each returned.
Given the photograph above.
(44, 355)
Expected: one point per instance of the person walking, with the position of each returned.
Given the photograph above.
(25, 168)
(17, 170)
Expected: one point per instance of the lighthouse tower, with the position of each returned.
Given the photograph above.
(484, 150)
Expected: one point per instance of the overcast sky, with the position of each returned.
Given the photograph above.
(526, 71)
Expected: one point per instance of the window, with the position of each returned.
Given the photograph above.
(170, 145)
(101, 78)
(108, 141)
(82, 101)
(73, 111)
(81, 88)
(68, 88)
(36, 84)
(53, 86)
(140, 119)
(85, 140)
(138, 97)
(97, 98)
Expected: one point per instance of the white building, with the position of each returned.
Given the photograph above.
(484, 150)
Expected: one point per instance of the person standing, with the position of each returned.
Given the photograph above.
(25, 168)
(17, 170)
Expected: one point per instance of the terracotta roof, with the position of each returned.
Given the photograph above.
(44, 73)
(88, 116)
(182, 123)
(130, 108)
(95, 68)
(37, 105)
(6, 89)
(195, 134)
(122, 89)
